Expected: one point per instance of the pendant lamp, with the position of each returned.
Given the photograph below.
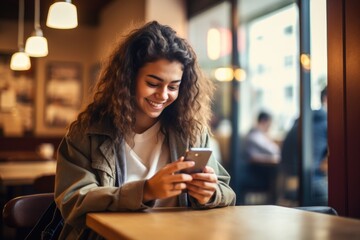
(36, 45)
(62, 15)
(20, 61)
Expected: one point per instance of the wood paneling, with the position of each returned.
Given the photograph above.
(343, 103)
(352, 51)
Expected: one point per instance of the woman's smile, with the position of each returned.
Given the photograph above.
(155, 105)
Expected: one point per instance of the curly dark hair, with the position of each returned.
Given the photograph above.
(114, 97)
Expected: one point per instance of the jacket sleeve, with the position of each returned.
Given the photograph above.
(224, 195)
(78, 189)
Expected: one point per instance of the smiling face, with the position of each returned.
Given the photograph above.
(157, 86)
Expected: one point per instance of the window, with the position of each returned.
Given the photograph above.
(269, 51)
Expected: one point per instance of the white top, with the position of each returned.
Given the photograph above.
(260, 145)
(149, 154)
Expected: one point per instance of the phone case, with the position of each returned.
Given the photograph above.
(200, 156)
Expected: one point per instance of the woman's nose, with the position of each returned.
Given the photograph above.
(162, 94)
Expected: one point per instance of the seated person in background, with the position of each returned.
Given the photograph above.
(259, 146)
(125, 150)
(290, 152)
(262, 158)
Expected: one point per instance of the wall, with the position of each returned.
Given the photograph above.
(115, 20)
(65, 46)
(172, 13)
(120, 16)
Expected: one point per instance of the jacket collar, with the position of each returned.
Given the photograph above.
(176, 146)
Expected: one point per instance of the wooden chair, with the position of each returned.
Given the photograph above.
(24, 212)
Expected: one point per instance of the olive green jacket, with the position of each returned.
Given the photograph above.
(86, 177)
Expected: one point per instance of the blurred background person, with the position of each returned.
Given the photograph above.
(260, 147)
(289, 155)
(262, 156)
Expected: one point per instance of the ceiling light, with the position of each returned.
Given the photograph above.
(20, 61)
(62, 15)
(36, 45)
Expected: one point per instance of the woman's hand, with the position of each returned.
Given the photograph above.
(203, 185)
(167, 182)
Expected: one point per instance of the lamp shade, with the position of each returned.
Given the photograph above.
(36, 46)
(62, 15)
(20, 61)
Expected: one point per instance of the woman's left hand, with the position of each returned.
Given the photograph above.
(203, 185)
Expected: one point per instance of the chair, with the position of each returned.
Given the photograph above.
(24, 212)
(319, 209)
(259, 183)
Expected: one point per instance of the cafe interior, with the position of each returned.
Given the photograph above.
(272, 56)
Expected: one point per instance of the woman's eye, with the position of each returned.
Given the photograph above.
(151, 84)
(174, 87)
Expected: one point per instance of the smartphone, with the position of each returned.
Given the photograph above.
(200, 156)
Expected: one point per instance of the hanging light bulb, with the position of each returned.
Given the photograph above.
(20, 61)
(62, 15)
(36, 45)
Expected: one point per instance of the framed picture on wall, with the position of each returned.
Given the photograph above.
(63, 93)
(17, 99)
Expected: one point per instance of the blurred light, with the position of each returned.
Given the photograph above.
(20, 61)
(227, 74)
(36, 46)
(213, 43)
(305, 61)
(240, 74)
(62, 15)
(224, 74)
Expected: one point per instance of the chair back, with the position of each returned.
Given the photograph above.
(319, 209)
(25, 211)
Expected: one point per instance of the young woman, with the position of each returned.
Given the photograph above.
(125, 150)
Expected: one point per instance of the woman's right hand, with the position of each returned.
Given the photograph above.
(167, 182)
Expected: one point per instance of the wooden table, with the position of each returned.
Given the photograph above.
(9, 156)
(23, 173)
(239, 222)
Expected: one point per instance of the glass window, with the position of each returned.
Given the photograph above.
(268, 45)
(319, 182)
(272, 70)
